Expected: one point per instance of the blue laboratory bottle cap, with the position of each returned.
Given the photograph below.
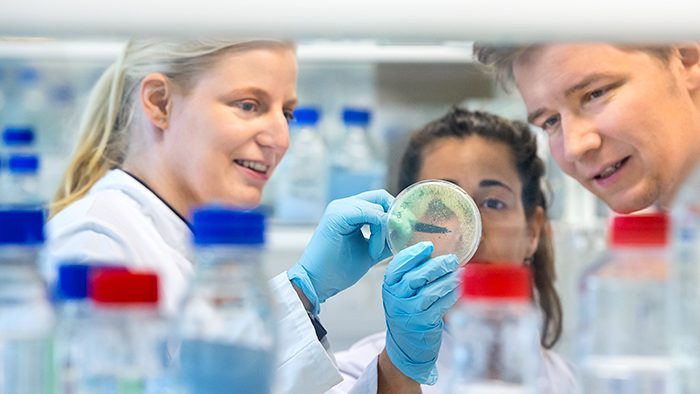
(23, 164)
(63, 93)
(28, 74)
(21, 226)
(72, 281)
(18, 135)
(306, 116)
(219, 225)
(356, 116)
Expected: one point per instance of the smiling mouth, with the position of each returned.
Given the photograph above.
(607, 172)
(253, 165)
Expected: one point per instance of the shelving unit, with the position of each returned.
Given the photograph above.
(436, 20)
(360, 32)
(308, 51)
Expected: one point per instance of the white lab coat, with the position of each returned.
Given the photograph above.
(122, 221)
(358, 365)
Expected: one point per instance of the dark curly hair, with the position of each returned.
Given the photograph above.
(462, 123)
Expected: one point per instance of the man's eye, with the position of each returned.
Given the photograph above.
(493, 203)
(550, 122)
(594, 94)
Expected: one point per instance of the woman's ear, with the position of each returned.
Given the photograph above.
(156, 99)
(535, 226)
(690, 59)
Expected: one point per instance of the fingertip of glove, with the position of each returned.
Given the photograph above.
(456, 279)
(420, 248)
(450, 261)
(425, 245)
(457, 295)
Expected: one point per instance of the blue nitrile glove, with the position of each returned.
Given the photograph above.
(417, 292)
(338, 255)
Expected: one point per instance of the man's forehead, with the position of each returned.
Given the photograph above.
(535, 80)
(555, 69)
(553, 55)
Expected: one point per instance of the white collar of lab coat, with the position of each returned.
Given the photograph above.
(173, 228)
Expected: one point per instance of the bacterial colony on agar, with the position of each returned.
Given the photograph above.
(436, 211)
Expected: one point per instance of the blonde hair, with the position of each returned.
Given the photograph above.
(499, 59)
(106, 123)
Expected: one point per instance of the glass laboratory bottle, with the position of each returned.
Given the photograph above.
(495, 331)
(303, 179)
(26, 317)
(225, 328)
(685, 283)
(21, 182)
(356, 166)
(15, 140)
(125, 338)
(624, 323)
(73, 312)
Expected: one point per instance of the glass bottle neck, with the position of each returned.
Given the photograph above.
(228, 263)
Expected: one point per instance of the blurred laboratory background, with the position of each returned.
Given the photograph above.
(359, 101)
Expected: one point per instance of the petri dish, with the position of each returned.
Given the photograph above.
(437, 211)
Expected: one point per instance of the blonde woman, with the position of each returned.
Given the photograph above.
(175, 124)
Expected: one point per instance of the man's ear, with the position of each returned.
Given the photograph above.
(690, 58)
(156, 99)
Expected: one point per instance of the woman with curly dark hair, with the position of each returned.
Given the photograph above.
(495, 160)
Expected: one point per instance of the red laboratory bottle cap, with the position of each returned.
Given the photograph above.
(489, 280)
(120, 286)
(641, 230)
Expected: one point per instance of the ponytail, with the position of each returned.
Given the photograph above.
(102, 143)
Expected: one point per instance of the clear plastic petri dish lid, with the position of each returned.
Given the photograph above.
(437, 211)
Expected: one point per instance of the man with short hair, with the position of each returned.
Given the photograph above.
(624, 121)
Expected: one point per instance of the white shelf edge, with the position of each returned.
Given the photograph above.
(326, 52)
(493, 20)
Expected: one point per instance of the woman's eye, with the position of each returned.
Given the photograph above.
(289, 115)
(493, 203)
(248, 106)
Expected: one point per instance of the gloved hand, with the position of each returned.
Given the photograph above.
(417, 292)
(338, 255)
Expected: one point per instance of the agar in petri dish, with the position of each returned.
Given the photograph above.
(437, 211)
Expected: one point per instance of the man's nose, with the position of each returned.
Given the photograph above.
(580, 137)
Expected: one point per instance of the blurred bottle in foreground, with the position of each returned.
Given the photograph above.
(226, 327)
(495, 329)
(26, 317)
(625, 310)
(124, 343)
(72, 314)
(303, 174)
(685, 283)
(356, 166)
